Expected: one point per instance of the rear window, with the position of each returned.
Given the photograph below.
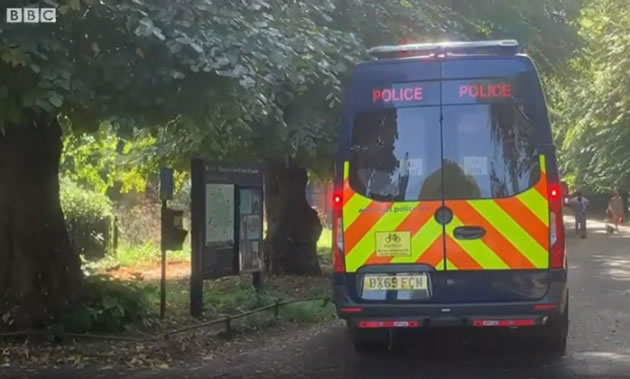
(482, 132)
(489, 151)
(395, 154)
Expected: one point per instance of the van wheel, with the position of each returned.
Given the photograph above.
(556, 333)
(368, 340)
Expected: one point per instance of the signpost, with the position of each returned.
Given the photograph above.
(173, 233)
(227, 222)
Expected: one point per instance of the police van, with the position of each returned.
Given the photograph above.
(447, 201)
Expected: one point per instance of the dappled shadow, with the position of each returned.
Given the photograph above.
(459, 353)
(616, 267)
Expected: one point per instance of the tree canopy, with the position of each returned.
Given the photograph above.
(229, 77)
(591, 101)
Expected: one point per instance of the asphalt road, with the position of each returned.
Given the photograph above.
(599, 343)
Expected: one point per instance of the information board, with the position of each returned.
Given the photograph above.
(250, 230)
(219, 214)
(226, 228)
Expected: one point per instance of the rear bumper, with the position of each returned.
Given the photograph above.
(460, 314)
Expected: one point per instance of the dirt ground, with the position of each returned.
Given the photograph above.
(175, 270)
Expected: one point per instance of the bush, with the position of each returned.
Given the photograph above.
(107, 306)
(308, 312)
(139, 223)
(89, 220)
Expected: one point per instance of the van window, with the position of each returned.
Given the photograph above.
(489, 151)
(395, 154)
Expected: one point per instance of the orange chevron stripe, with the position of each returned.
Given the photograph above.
(459, 257)
(541, 186)
(523, 216)
(434, 254)
(493, 238)
(412, 223)
(364, 223)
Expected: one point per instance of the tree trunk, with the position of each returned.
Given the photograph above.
(39, 273)
(293, 227)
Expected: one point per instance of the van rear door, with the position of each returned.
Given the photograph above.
(392, 170)
(495, 180)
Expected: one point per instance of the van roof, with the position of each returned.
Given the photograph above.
(444, 49)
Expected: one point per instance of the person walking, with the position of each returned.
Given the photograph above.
(615, 209)
(579, 203)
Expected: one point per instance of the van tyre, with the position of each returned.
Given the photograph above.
(556, 333)
(368, 340)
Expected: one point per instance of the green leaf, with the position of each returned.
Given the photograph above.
(109, 302)
(56, 99)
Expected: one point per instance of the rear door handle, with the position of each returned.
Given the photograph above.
(469, 232)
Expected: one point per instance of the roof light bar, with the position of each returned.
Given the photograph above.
(496, 47)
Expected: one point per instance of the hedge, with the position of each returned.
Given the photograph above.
(89, 219)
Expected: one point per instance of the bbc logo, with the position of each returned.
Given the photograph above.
(31, 15)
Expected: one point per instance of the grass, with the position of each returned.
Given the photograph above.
(235, 295)
(129, 255)
(324, 245)
(231, 295)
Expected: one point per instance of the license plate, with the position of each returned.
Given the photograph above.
(415, 282)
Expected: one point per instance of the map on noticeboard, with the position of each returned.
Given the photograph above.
(219, 213)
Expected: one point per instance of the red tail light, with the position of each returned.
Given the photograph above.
(545, 307)
(556, 227)
(337, 234)
(352, 310)
(503, 323)
(337, 199)
(388, 324)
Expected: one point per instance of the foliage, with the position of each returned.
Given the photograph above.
(544, 27)
(89, 220)
(107, 306)
(592, 104)
(265, 75)
(324, 245)
(102, 159)
(139, 223)
(308, 312)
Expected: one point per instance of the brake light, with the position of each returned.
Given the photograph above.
(503, 323)
(352, 310)
(388, 324)
(544, 307)
(557, 246)
(337, 242)
(337, 198)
